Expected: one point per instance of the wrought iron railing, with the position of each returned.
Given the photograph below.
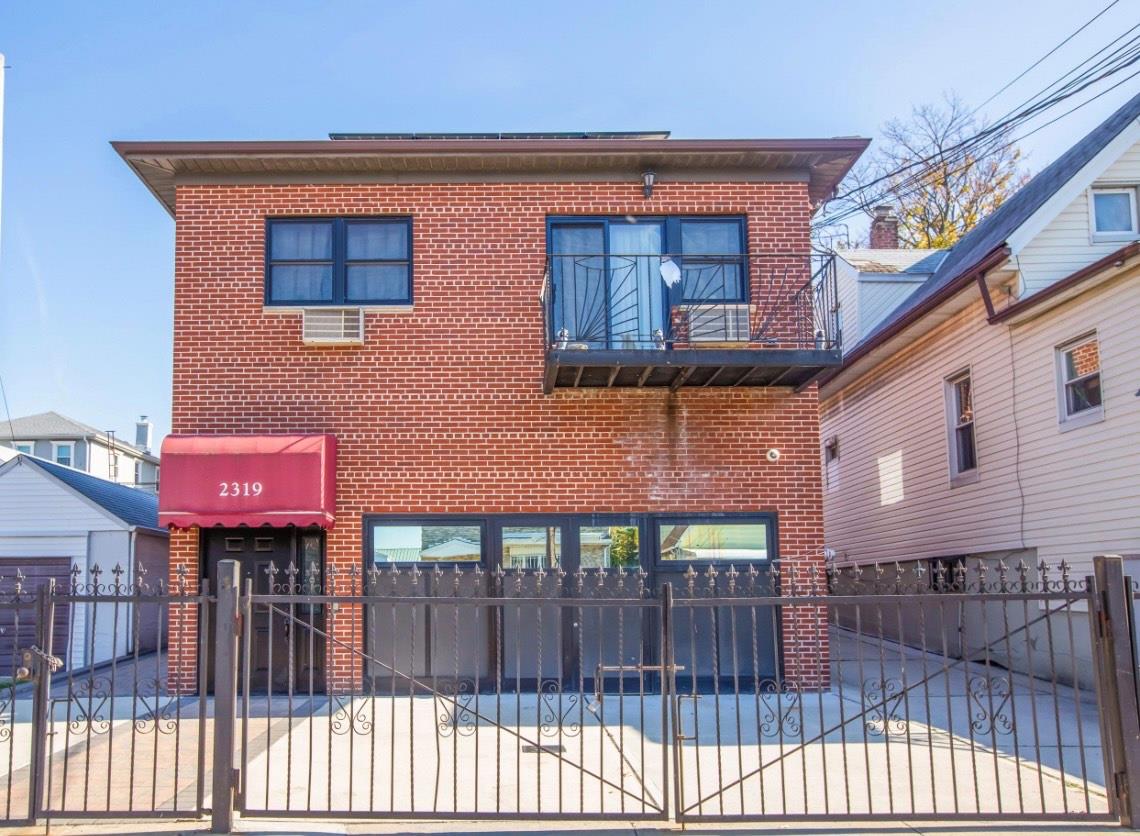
(661, 302)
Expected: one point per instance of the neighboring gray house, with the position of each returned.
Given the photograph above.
(873, 281)
(71, 443)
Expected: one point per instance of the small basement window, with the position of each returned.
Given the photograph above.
(1080, 399)
(338, 261)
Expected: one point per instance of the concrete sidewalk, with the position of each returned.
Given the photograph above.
(607, 828)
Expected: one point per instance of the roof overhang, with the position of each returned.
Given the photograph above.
(917, 321)
(1070, 287)
(822, 163)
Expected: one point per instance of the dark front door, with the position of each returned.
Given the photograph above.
(286, 642)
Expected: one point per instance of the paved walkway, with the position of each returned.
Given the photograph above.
(902, 734)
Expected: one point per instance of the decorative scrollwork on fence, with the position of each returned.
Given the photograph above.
(555, 708)
(456, 716)
(989, 699)
(157, 715)
(90, 697)
(7, 694)
(780, 708)
(348, 718)
(885, 698)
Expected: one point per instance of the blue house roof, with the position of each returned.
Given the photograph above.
(132, 506)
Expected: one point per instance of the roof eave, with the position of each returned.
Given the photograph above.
(995, 257)
(843, 151)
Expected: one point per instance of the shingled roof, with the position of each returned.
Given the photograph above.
(132, 506)
(992, 233)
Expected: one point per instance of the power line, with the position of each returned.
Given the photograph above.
(1114, 61)
(1038, 62)
(1121, 58)
(7, 412)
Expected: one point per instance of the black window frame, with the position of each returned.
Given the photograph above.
(768, 518)
(371, 521)
(571, 523)
(671, 245)
(340, 261)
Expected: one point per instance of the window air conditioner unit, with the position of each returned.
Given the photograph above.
(717, 323)
(333, 326)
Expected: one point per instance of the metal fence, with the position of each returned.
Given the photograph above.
(920, 691)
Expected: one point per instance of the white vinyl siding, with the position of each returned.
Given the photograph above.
(879, 296)
(39, 517)
(1067, 244)
(847, 295)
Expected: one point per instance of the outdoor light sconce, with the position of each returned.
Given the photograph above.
(648, 179)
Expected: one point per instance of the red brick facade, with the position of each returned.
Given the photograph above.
(441, 410)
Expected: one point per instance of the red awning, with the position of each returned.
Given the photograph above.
(232, 480)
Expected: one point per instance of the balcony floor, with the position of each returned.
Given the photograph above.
(677, 368)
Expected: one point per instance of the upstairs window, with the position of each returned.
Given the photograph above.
(960, 403)
(28, 448)
(1113, 213)
(338, 261)
(63, 452)
(1078, 372)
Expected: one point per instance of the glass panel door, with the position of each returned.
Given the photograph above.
(636, 298)
(578, 274)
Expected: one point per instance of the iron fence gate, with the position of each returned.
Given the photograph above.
(951, 692)
(91, 726)
(535, 697)
(921, 691)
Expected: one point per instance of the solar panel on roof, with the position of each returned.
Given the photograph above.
(509, 135)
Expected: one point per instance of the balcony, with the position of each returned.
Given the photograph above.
(667, 321)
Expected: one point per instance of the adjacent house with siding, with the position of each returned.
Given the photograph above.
(995, 412)
(56, 520)
(72, 443)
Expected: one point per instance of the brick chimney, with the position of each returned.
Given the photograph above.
(884, 229)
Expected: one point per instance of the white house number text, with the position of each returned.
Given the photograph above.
(239, 489)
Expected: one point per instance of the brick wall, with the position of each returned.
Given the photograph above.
(442, 411)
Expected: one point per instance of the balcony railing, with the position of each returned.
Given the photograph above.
(603, 311)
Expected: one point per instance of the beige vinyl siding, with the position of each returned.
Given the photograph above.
(899, 413)
(1083, 484)
(1081, 487)
(1066, 245)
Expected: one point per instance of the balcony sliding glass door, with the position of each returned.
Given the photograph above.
(639, 283)
(608, 290)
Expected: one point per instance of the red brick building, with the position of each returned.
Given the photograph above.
(572, 351)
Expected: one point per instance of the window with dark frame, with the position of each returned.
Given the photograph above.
(964, 456)
(338, 261)
(602, 541)
(700, 540)
(1079, 366)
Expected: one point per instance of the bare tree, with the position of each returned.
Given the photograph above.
(972, 170)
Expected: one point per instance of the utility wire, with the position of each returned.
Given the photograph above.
(1121, 58)
(969, 148)
(7, 412)
(1038, 62)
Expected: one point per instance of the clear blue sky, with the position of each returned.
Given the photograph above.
(86, 262)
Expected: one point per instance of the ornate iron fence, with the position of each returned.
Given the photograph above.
(967, 691)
